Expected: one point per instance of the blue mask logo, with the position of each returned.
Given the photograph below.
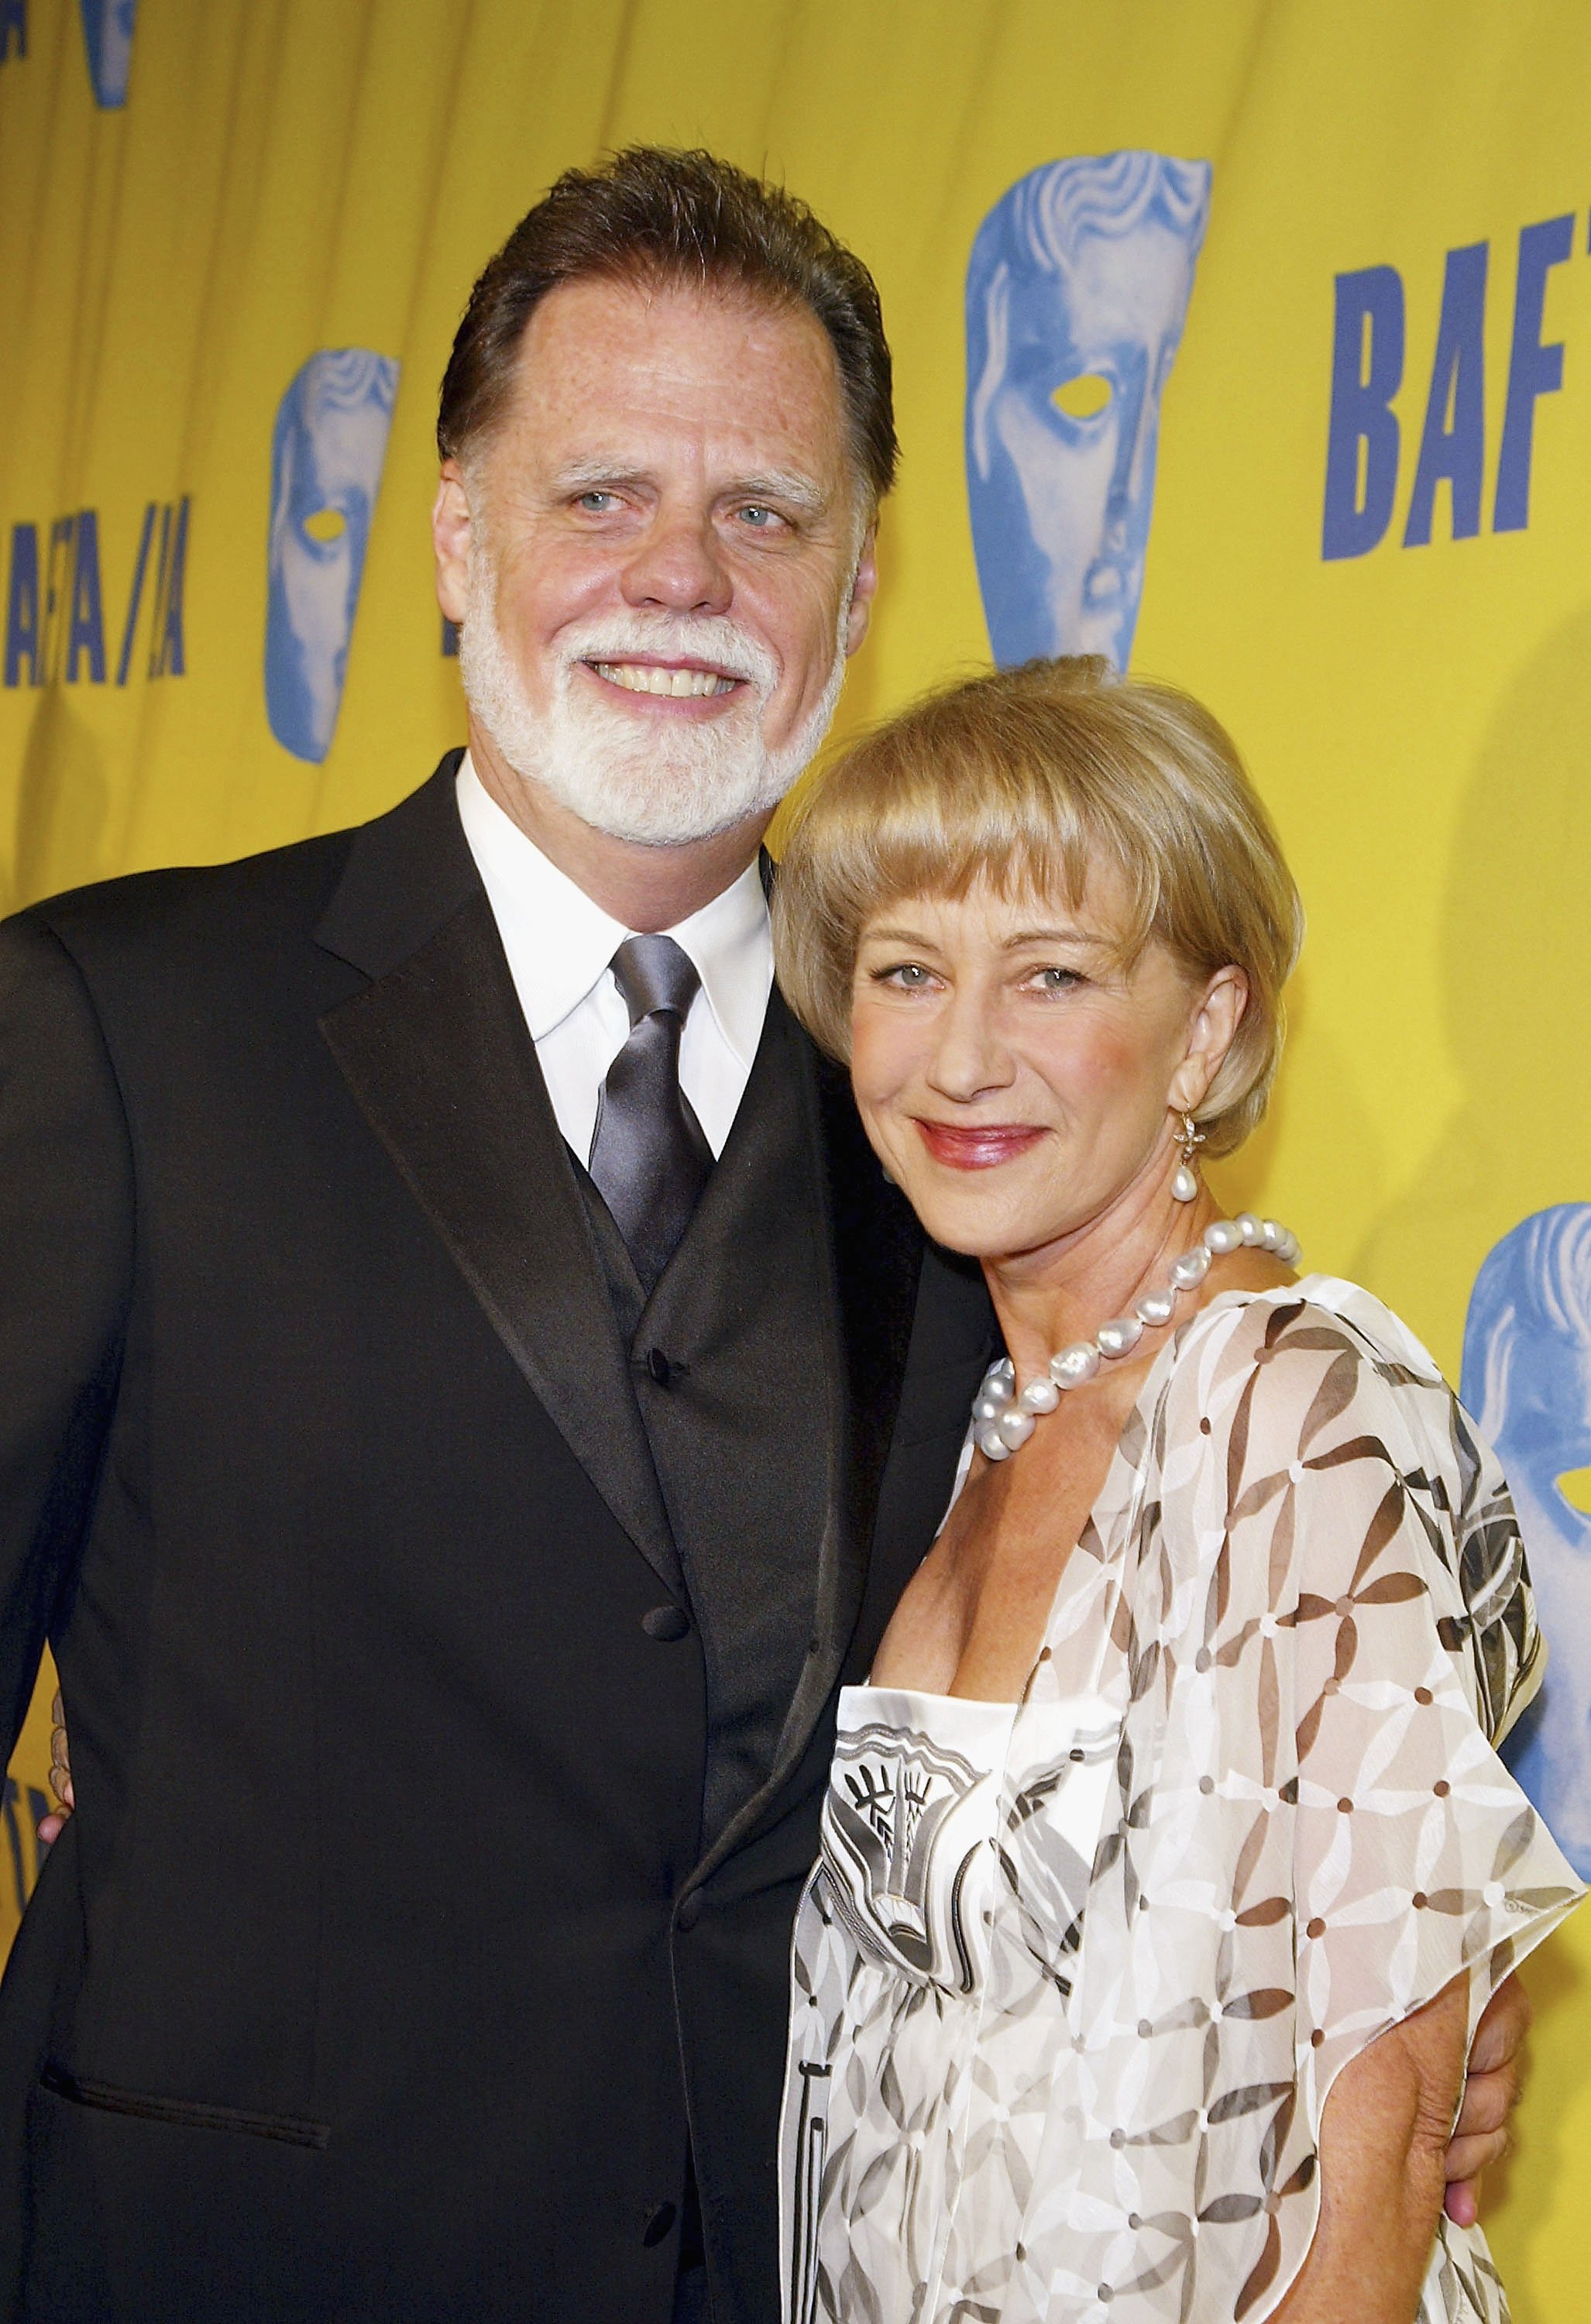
(107, 35)
(1527, 1379)
(326, 471)
(1077, 291)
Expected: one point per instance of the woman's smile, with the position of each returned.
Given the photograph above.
(983, 1146)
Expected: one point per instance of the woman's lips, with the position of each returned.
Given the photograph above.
(981, 1149)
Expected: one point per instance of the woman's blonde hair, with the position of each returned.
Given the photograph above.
(1028, 777)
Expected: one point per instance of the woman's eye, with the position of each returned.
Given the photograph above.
(906, 975)
(1054, 979)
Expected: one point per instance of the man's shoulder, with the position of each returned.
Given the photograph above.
(143, 906)
(261, 900)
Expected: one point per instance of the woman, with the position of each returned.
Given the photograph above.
(1167, 1858)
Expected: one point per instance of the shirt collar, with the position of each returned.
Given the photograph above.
(560, 944)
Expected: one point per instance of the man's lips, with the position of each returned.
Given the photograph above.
(670, 680)
(981, 1148)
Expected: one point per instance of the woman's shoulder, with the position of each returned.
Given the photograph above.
(1319, 1314)
(1307, 1430)
(1283, 1348)
(1311, 1372)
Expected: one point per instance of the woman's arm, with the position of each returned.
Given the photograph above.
(1383, 2139)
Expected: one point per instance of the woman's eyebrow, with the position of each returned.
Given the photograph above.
(897, 936)
(1057, 936)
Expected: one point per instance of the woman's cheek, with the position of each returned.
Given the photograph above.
(1088, 1060)
(880, 1054)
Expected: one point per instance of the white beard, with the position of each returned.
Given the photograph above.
(661, 788)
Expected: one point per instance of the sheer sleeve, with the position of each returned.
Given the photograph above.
(1365, 1631)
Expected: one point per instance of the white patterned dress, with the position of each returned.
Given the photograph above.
(1064, 2057)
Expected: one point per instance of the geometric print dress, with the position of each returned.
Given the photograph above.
(1247, 1815)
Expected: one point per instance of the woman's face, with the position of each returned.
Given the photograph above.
(1015, 1079)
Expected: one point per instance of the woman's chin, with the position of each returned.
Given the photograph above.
(972, 1227)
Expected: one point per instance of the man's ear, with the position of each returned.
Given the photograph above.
(1212, 1028)
(450, 540)
(863, 589)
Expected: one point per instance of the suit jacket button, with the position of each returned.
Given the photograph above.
(666, 1622)
(689, 1913)
(661, 1370)
(659, 2219)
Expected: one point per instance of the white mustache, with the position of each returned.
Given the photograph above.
(706, 638)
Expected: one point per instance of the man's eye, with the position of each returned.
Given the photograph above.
(760, 519)
(598, 503)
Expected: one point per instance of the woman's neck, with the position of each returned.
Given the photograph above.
(1046, 1299)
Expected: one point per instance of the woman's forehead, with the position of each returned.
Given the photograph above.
(1030, 898)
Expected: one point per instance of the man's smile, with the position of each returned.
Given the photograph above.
(681, 681)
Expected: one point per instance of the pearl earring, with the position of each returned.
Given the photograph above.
(1184, 1185)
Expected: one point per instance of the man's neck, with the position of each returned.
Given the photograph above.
(646, 889)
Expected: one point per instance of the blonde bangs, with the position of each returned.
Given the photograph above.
(1034, 780)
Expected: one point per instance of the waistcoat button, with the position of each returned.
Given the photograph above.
(659, 2219)
(667, 1623)
(661, 1370)
(689, 1913)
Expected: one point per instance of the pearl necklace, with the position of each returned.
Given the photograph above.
(1002, 1419)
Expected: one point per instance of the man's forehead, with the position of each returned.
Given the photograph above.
(594, 350)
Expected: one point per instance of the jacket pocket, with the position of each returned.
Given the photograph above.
(187, 2114)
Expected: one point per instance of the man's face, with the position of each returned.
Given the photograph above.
(662, 554)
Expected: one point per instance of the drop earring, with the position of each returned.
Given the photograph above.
(1184, 1185)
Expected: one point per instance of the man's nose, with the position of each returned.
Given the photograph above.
(679, 565)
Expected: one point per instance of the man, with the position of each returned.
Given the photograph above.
(468, 1393)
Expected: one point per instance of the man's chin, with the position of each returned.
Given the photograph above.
(670, 822)
(662, 809)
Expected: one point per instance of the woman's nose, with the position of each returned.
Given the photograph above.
(972, 1055)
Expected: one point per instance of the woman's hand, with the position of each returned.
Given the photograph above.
(50, 1827)
(1383, 2139)
(1491, 2092)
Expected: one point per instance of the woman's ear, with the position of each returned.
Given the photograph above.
(1212, 1028)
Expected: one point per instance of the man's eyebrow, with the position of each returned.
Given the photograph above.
(780, 485)
(777, 485)
(589, 476)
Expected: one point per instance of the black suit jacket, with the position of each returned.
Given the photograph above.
(384, 1960)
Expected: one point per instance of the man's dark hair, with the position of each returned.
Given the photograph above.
(651, 214)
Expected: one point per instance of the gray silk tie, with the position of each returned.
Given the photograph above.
(648, 1156)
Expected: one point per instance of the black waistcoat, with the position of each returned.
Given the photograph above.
(730, 1359)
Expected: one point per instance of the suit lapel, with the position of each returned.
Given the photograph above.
(876, 1256)
(437, 1054)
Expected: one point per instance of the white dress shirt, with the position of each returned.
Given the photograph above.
(560, 947)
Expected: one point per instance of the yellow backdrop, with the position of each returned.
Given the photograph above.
(195, 196)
